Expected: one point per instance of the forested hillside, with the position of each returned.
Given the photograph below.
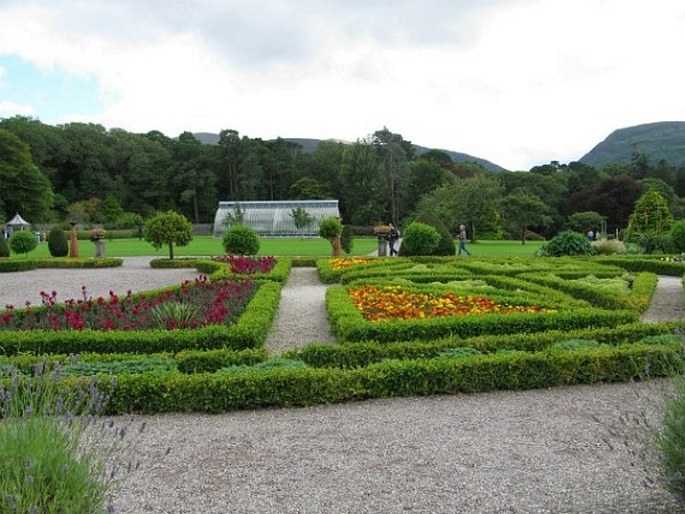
(657, 141)
(88, 173)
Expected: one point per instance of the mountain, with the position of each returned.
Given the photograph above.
(662, 140)
(310, 145)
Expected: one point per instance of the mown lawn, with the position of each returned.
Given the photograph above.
(306, 247)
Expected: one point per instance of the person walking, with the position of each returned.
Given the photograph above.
(393, 236)
(462, 240)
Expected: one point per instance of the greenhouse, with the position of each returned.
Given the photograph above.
(277, 218)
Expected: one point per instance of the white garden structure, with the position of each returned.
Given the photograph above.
(275, 218)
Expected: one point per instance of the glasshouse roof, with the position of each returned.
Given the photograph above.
(277, 218)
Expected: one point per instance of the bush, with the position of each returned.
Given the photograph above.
(677, 236)
(671, 443)
(347, 239)
(23, 242)
(241, 240)
(330, 228)
(446, 243)
(653, 242)
(567, 243)
(4, 248)
(419, 239)
(58, 245)
(609, 246)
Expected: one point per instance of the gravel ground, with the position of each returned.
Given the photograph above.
(561, 450)
(135, 275)
(668, 303)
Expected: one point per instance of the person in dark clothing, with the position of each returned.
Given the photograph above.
(393, 236)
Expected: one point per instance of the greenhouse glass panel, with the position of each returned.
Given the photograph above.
(276, 218)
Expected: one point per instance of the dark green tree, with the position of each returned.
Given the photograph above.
(522, 210)
(23, 241)
(301, 218)
(363, 200)
(24, 187)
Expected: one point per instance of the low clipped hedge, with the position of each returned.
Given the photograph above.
(221, 270)
(249, 331)
(358, 354)
(331, 275)
(661, 265)
(10, 265)
(221, 392)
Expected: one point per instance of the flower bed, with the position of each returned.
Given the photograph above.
(247, 265)
(194, 304)
(392, 302)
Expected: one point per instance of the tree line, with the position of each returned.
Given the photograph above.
(84, 172)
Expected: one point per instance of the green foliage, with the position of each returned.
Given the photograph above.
(237, 217)
(576, 344)
(677, 236)
(168, 228)
(567, 243)
(671, 442)
(23, 241)
(4, 248)
(330, 228)
(277, 363)
(463, 351)
(446, 243)
(651, 217)
(123, 366)
(58, 245)
(584, 221)
(44, 468)
(347, 239)
(301, 218)
(241, 240)
(419, 239)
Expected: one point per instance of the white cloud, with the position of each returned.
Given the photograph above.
(518, 82)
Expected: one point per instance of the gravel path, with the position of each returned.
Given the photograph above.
(668, 302)
(561, 450)
(135, 274)
(301, 318)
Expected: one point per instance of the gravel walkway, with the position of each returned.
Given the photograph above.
(561, 450)
(301, 318)
(668, 302)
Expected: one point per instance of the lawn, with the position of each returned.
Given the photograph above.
(208, 245)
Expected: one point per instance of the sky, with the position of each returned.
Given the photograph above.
(517, 82)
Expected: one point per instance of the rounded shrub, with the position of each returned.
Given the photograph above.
(419, 239)
(241, 240)
(347, 239)
(58, 245)
(4, 248)
(446, 243)
(330, 228)
(677, 236)
(567, 243)
(23, 241)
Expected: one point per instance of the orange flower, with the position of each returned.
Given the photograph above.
(391, 302)
(345, 262)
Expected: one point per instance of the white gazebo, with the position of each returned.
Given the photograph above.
(17, 223)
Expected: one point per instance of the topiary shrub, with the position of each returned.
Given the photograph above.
(4, 248)
(677, 236)
(419, 239)
(23, 242)
(347, 239)
(567, 243)
(446, 243)
(58, 245)
(241, 240)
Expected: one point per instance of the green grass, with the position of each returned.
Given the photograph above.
(307, 247)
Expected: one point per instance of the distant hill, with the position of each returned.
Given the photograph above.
(662, 140)
(310, 145)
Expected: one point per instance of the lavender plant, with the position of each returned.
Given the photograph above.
(59, 455)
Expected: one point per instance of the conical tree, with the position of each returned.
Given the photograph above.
(58, 245)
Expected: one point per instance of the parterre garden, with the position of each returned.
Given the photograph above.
(405, 326)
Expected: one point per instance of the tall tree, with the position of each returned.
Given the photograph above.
(394, 153)
(25, 189)
(524, 210)
(363, 186)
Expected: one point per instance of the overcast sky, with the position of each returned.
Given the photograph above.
(517, 82)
